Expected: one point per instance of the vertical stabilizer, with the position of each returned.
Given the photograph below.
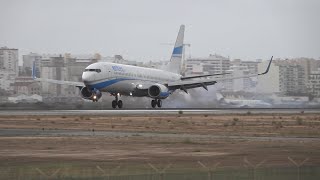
(177, 53)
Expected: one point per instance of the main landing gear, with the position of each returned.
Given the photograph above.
(156, 102)
(117, 102)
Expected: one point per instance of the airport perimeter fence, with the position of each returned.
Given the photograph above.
(247, 172)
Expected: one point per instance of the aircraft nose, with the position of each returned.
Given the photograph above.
(85, 77)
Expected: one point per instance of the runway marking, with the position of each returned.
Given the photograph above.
(157, 111)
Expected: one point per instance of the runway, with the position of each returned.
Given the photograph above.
(121, 134)
(159, 134)
(137, 112)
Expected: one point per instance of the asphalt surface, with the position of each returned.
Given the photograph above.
(113, 134)
(155, 112)
(138, 112)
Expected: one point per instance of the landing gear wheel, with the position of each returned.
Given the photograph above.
(120, 104)
(159, 103)
(153, 103)
(114, 104)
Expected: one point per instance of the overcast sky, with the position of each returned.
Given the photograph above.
(137, 29)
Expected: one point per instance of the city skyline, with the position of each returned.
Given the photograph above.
(291, 77)
(137, 30)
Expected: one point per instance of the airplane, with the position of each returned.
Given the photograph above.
(126, 80)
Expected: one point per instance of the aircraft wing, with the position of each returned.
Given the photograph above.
(71, 83)
(193, 83)
(208, 75)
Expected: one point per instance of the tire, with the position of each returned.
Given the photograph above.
(153, 103)
(114, 104)
(159, 103)
(120, 104)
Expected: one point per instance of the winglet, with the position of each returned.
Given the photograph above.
(34, 72)
(267, 67)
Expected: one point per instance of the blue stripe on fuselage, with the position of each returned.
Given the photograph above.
(164, 94)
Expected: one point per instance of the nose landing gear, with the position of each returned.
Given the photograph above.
(156, 102)
(117, 102)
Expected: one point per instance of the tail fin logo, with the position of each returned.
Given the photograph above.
(178, 46)
(177, 51)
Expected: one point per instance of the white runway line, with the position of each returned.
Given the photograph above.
(155, 112)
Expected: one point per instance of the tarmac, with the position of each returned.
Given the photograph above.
(117, 112)
(113, 134)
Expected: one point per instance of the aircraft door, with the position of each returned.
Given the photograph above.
(108, 72)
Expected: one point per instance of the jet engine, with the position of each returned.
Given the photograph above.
(158, 91)
(93, 95)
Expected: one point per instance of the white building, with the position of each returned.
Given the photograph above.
(26, 85)
(25, 98)
(7, 78)
(314, 83)
(8, 67)
(9, 59)
(68, 67)
(292, 79)
(214, 64)
(243, 68)
(252, 66)
(53, 68)
(270, 82)
(74, 67)
(243, 84)
(28, 63)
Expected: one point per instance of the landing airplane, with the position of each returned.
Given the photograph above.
(125, 80)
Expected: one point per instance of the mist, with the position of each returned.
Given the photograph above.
(247, 29)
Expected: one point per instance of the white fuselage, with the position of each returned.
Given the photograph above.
(124, 79)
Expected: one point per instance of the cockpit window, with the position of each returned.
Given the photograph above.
(93, 70)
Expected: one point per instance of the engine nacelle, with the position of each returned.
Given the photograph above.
(90, 94)
(158, 91)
